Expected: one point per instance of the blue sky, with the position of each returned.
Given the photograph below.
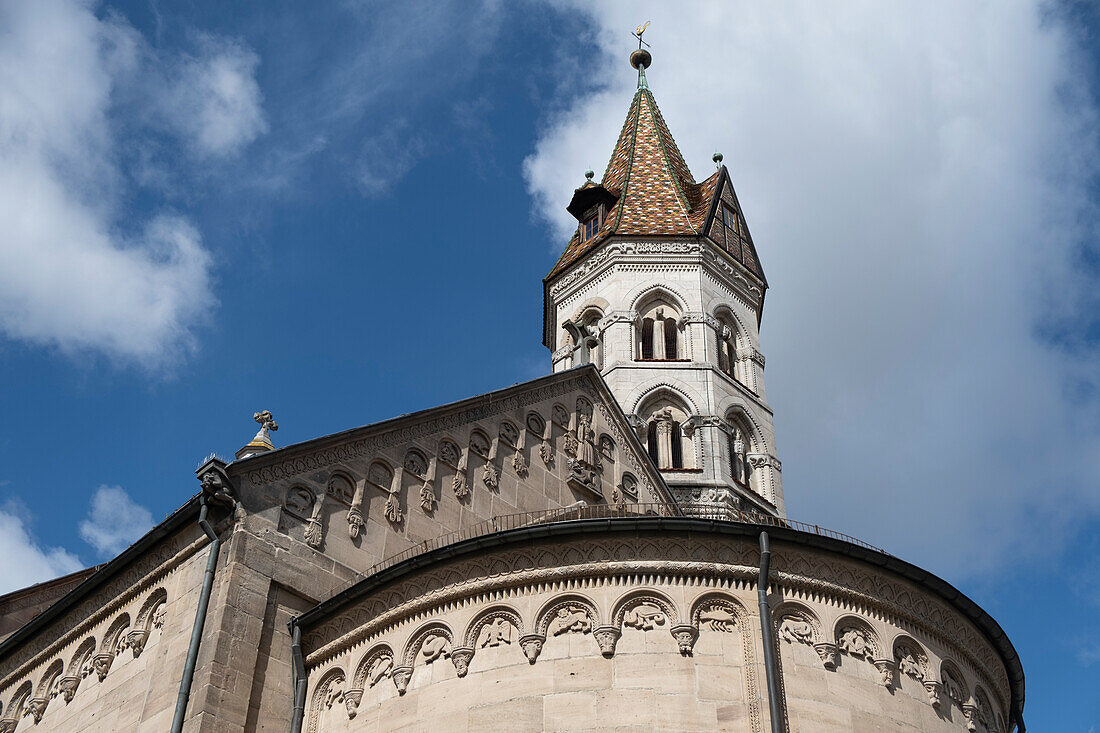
(344, 213)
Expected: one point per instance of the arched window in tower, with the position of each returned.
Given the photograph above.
(659, 338)
(727, 347)
(733, 228)
(667, 441)
(743, 448)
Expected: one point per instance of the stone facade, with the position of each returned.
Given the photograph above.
(656, 629)
(707, 295)
(574, 553)
(307, 521)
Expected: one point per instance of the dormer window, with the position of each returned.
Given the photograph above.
(590, 226)
(733, 224)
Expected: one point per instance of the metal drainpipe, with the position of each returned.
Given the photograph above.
(299, 671)
(771, 670)
(200, 618)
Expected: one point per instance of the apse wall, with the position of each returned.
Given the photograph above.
(616, 629)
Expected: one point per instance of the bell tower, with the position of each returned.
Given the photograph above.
(661, 288)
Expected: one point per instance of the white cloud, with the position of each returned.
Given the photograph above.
(213, 101)
(27, 562)
(915, 180)
(114, 521)
(76, 272)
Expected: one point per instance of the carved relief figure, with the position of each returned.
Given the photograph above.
(379, 669)
(340, 488)
(490, 476)
(607, 447)
(416, 463)
(509, 434)
(299, 501)
(561, 416)
(434, 647)
(479, 444)
(570, 619)
(449, 453)
(794, 629)
(644, 616)
(716, 618)
(952, 686)
(909, 661)
(854, 641)
(496, 632)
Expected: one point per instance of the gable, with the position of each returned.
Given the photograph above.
(738, 245)
(370, 493)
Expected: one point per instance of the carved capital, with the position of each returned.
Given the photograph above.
(314, 533)
(102, 664)
(607, 637)
(355, 522)
(827, 651)
(138, 637)
(532, 646)
(461, 489)
(36, 708)
(8, 726)
(970, 712)
(888, 669)
(401, 677)
(68, 687)
(461, 659)
(351, 701)
(934, 688)
(685, 636)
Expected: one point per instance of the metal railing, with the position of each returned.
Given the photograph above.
(583, 511)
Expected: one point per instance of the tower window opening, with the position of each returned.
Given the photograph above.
(647, 338)
(677, 446)
(658, 337)
(666, 441)
(733, 225)
(670, 338)
(589, 227)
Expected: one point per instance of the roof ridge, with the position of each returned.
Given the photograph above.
(659, 125)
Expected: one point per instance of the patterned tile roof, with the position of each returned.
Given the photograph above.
(656, 193)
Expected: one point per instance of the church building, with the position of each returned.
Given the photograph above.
(603, 548)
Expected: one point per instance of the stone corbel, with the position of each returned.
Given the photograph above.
(459, 484)
(102, 664)
(606, 638)
(970, 712)
(519, 461)
(532, 646)
(461, 659)
(355, 513)
(68, 687)
(685, 636)
(427, 491)
(315, 532)
(351, 701)
(137, 639)
(490, 475)
(827, 652)
(888, 669)
(36, 708)
(934, 688)
(401, 677)
(393, 506)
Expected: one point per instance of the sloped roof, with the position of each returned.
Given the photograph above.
(655, 191)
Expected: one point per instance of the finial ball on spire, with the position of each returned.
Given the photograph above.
(641, 58)
(589, 174)
(717, 158)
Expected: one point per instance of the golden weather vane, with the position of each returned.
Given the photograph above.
(639, 31)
